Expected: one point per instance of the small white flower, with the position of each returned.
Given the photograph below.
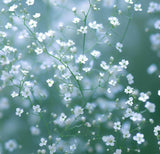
(30, 2)
(150, 106)
(38, 51)
(34, 130)
(72, 147)
(137, 7)
(109, 140)
(152, 69)
(82, 30)
(19, 112)
(41, 37)
(32, 23)
(156, 130)
(139, 138)
(119, 46)
(11, 145)
(114, 21)
(52, 148)
(50, 82)
(143, 97)
(43, 142)
(82, 59)
(96, 53)
(118, 151)
(104, 65)
(78, 111)
(36, 15)
(36, 108)
(117, 125)
(62, 117)
(157, 24)
(13, 8)
(76, 20)
(129, 1)
(14, 94)
(124, 63)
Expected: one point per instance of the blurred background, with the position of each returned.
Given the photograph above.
(137, 49)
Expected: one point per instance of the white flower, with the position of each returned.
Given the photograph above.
(117, 125)
(82, 59)
(157, 24)
(129, 1)
(32, 23)
(152, 69)
(13, 8)
(137, 7)
(7, 1)
(62, 117)
(11, 145)
(96, 53)
(158, 92)
(8, 26)
(38, 51)
(76, 20)
(104, 65)
(72, 147)
(109, 140)
(124, 63)
(119, 46)
(36, 15)
(34, 130)
(26, 92)
(118, 151)
(82, 30)
(136, 117)
(153, 7)
(126, 134)
(43, 142)
(150, 106)
(130, 79)
(30, 2)
(114, 21)
(156, 130)
(78, 111)
(143, 97)
(94, 25)
(139, 138)
(50, 82)
(19, 112)
(129, 90)
(41, 37)
(36, 108)
(52, 148)
(14, 94)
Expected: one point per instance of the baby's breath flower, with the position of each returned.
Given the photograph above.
(119, 46)
(32, 23)
(14, 94)
(139, 138)
(29, 2)
(11, 145)
(109, 140)
(50, 82)
(82, 30)
(36, 108)
(82, 59)
(137, 7)
(143, 97)
(43, 142)
(150, 106)
(19, 112)
(114, 21)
